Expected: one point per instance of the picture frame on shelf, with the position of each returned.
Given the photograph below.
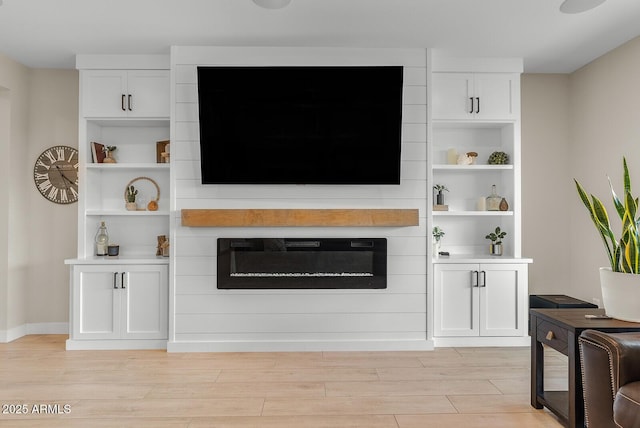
(162, 154)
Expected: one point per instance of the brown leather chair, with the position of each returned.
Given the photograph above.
(610, 378)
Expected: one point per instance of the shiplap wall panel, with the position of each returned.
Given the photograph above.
(203, 285)
(310, 302)
(206, 318)
(304, 323)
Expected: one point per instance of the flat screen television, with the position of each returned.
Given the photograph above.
(300, 125)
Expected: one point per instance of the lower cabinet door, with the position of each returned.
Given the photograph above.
(145, 302)
(120, 302)
(456, 300)
(480, 299)
(503, 295)
(96, 303)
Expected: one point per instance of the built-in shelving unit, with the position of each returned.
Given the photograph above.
(121, 301)
(478, 298)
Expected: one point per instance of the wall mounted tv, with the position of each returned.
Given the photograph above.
(300, 125)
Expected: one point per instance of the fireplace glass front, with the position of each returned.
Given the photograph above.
(301, 263)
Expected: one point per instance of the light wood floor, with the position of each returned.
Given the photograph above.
(449, 387)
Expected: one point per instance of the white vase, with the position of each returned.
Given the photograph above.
(620, 294)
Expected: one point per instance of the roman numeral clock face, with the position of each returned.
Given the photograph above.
(56, 174)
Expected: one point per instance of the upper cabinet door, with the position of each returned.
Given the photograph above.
(104, 93)
(494, 95)
(148, 93)
(475, 96)
(451, 95)
(121, 93)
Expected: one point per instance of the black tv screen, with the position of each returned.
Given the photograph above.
(300, 125)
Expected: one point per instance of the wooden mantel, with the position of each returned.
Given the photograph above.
(299, 217)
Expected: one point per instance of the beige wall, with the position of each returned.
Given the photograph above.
(576, 126)
(605, 126)
(38, 109)
(53, 120)
(14, 86)
(546, 187)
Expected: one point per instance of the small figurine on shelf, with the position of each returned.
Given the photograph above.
(132, 192)
(108, 151)
(166, 155)
(162, 240)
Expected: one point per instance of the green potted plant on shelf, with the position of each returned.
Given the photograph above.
(496, 237)
(437, 233)
(439, 196)
(619, 282)
(131, 194)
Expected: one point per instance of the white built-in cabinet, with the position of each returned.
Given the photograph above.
(476, 96)
(123, 301)
(478, 299)
(129, 109)
(125, 93)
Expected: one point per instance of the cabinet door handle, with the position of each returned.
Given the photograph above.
(477, 104)
(122, 103)
(474, 278)
(471, 99)
(115, 280)
(129, 102)
(484, 279)
(122, 280)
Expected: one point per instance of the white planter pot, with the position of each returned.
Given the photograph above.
(620, 294)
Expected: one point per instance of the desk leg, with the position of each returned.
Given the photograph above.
(537, 366)
(576, 400)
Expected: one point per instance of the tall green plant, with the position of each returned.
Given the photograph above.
(623, 253)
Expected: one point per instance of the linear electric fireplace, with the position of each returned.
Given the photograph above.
(305, 263)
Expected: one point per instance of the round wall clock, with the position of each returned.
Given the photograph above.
(56, 174)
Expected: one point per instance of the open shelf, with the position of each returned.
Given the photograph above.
(472, 167)
(126, 213)
(124, 166)
(473, 213)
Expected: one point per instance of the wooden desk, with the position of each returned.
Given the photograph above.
(560, 329)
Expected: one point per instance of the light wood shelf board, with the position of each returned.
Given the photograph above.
(299, 217)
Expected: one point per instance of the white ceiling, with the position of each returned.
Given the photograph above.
(48, 33)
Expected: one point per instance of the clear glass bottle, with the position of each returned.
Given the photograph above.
(102, 240)
(493, 200)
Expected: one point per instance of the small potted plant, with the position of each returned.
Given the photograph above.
(108, 151)
(131, 194)
(496, 241)
(437, 233)
(439, 196)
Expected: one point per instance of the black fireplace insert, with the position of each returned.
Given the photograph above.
(302, 263)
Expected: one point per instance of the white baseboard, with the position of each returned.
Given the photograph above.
(461, 342)
(298, 346)
(48, 328)
(14, 333)
(110, 345)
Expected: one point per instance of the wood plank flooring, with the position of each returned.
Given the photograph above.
(448, 387)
